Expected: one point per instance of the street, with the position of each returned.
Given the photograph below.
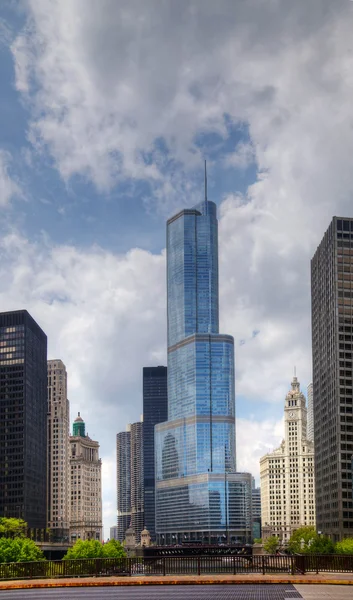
(184, 592)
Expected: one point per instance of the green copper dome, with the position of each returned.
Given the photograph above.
(79, 427)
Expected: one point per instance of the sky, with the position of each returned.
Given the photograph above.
(107, 112)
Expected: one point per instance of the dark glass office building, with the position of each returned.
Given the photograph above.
(155, 410)
(23, 418)
(332, 345)
(199, 495)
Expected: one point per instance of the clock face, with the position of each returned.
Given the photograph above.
(291, 414)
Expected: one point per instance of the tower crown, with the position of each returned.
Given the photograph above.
(79, 427)
(295, 398)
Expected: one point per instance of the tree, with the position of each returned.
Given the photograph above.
(306, 540)
(85, 549)
(12, 527)
(322, 544)
(19, 550)
(271, 544)
(301, 540)
(114, 549)
(344, 547)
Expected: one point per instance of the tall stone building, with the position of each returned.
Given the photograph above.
(332, 346)
(86, 489)
(155, 410)
(287, 474)
(23, 419)
(58, 449)
(123, 481)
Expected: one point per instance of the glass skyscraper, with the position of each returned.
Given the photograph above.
(23, 419)
(155, 410)
(199, 496)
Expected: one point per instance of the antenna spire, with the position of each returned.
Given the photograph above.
(205, 182)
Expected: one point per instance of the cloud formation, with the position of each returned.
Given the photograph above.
(123, 90)
(106, 83)
(8, 186)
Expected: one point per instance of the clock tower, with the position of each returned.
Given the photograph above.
(287, 474)
(295, 412)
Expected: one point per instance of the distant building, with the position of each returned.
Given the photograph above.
(123, 482)
(58, 449)
(155, 410)
(23, 419)
(256, 511)
(113, 533)
(310, 428)
(287, 474)
(332, 346)
(137, 504)
(86, 489)
(129, 476)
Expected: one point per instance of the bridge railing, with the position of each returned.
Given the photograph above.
(176, 565)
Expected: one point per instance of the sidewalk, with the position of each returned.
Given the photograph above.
(310, 578)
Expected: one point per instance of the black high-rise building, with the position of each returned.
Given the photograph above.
(155, 410)
(332, 342)
(23, 418)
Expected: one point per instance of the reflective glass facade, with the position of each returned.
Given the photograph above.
(23, 418)
(155, 410)
(198, 493)
(192, 272)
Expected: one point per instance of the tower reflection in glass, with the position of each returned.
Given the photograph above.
(199, 495)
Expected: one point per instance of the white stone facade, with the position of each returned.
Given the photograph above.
(86, 489)
(58, 432)
(287, 474)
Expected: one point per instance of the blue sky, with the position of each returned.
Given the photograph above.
(107, 111)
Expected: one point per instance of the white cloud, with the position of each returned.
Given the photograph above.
(8, 187)
(106, 82)
(254, 440)
(103, 82)
(105, 318)
(242, 157)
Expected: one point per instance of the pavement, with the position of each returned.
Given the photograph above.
(327, 579)
(216, 591)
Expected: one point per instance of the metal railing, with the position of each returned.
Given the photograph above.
(176, 565)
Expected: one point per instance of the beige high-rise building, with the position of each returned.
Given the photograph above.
(58, 505)
(86, 489)
(287, 474)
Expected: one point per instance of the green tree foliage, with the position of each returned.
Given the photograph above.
(19, 550)
(12, 527)
(114, 549)
(85, 549)
(344, 547)
(271, 544)
(306, 540)
(94, 549)
(322, 545)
